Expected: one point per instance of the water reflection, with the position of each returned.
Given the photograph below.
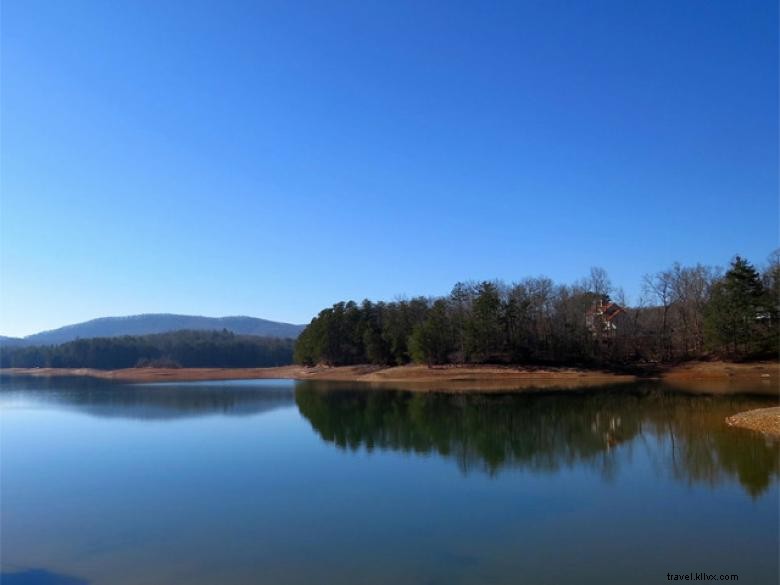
(148, 401)
(604, 486)
(39, 577)
(684, 436)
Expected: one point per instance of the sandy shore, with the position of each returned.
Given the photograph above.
(763, 420)
(714, 377)
(414, 377)
(725, 377)
(723, 370)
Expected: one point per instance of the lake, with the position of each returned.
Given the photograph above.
(284, 482)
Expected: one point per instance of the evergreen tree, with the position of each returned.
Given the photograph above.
(432, 341)
(484, 331)
(738, 314)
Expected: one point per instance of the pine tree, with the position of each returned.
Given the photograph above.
(432, 341)
(737, 315)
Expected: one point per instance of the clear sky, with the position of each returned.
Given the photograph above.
(271, 158)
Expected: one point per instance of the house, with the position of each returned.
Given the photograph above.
(603, 317)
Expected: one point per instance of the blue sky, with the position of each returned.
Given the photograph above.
(270, 159)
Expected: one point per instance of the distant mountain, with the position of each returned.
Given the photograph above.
(156, 323)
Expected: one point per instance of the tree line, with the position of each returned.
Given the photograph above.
(189, 349)
(685, 312)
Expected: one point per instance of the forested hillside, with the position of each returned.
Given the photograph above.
(190, 349)
(151, 323)
(686, 312)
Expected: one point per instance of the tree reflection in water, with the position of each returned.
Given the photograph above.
(685, 435)
(173, 400)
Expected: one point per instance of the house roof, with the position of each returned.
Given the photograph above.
(608, 310)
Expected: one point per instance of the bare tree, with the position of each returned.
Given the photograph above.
(658, 289)
(690, 289)
(598, 282)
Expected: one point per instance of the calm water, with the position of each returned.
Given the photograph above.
(282, 482)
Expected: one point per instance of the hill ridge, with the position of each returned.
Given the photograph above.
(150, 323)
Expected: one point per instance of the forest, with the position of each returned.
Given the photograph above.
(189, 349)
(685, 312)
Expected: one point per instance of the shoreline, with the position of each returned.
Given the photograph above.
(718, 377)
(761, 420)
(476, 377)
